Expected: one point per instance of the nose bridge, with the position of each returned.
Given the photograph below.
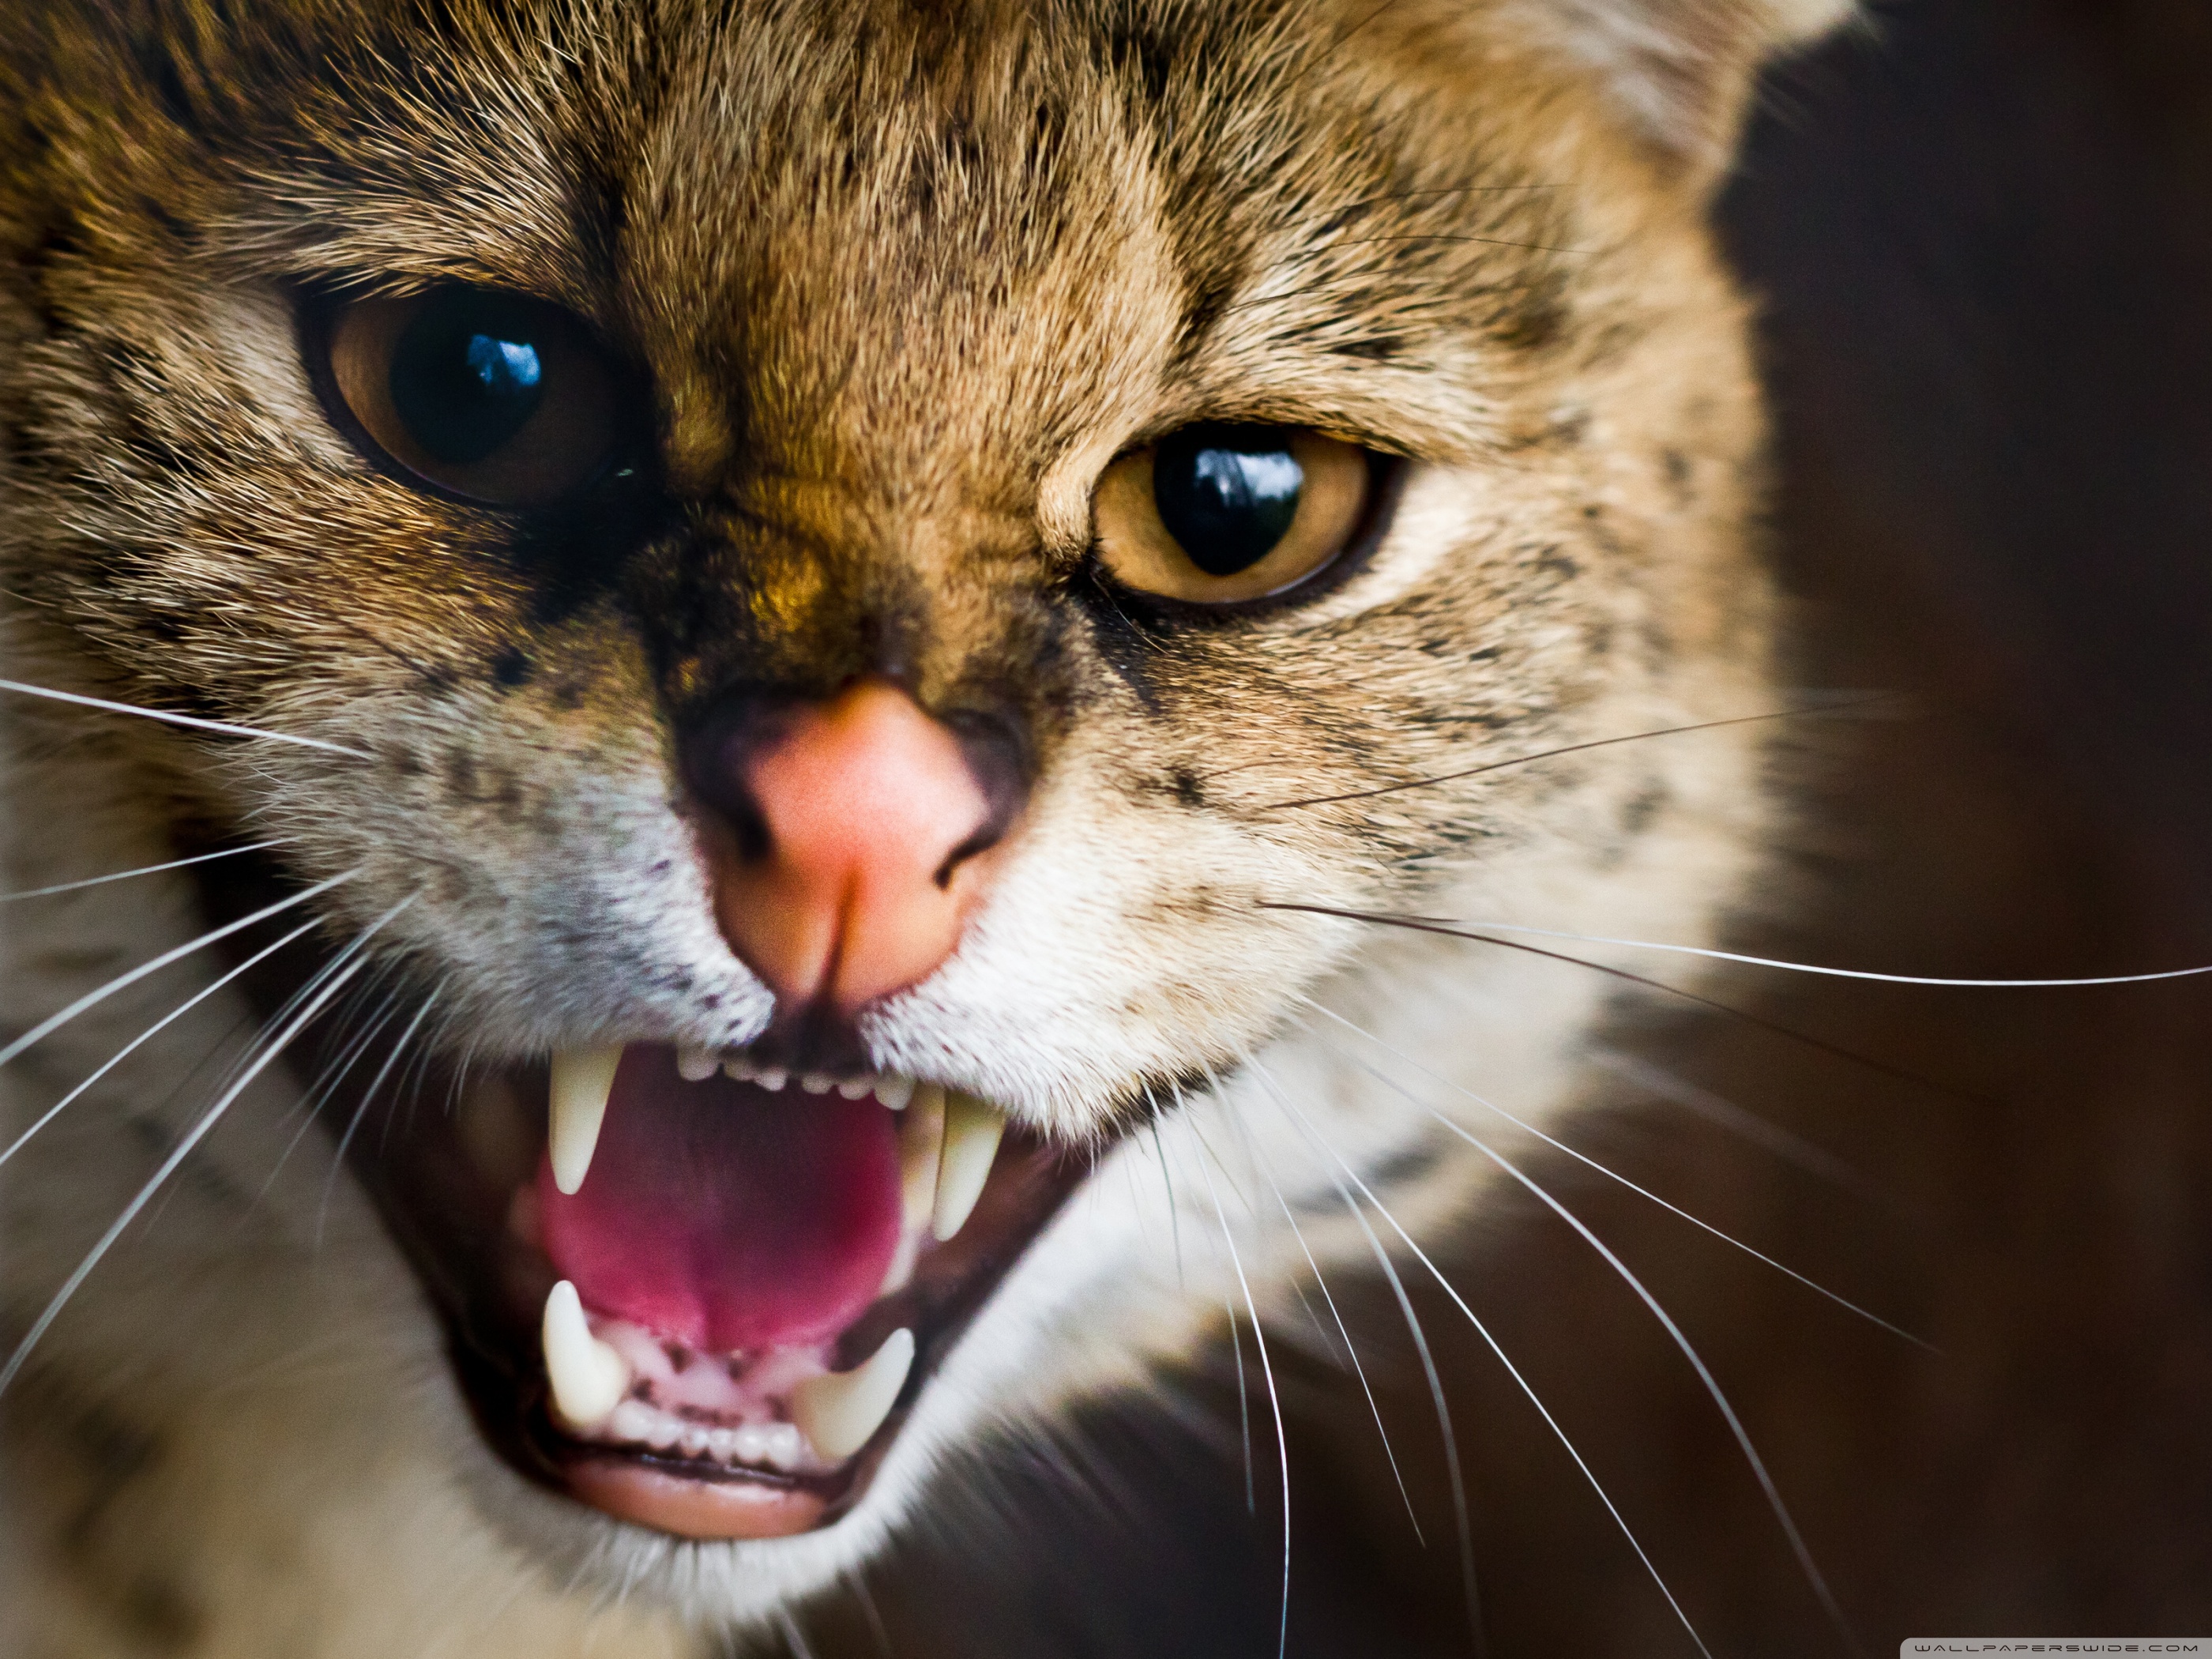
(791, 587)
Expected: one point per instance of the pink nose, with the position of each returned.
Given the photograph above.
(860, 829)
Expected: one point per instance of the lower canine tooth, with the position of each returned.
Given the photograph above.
(589, 1378)
(582, 1080)
(972, 1128)
(839, 1412)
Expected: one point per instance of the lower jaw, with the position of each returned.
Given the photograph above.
(687, 1505)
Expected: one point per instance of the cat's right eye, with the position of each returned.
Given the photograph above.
(490, 396)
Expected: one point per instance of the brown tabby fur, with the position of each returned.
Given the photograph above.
(1979, 237)
(903, 279)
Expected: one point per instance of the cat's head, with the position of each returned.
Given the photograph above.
(907, 553)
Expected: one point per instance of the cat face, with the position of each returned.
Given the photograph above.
(864, 590)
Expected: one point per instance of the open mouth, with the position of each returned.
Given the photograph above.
(698, 1294)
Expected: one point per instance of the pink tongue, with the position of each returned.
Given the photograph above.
(725, 1217)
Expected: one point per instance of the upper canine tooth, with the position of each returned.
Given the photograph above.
(972, 1128)
(589, 1377)
(895, 1092)
(697, 1064)
(920, 1144)
(839, 1412)
(582, 1080)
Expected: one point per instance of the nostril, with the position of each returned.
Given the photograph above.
(846, 835)
(716, 760)
(994, 754)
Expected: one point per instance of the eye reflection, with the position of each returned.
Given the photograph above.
(1228, 495)
(495, 396)
(1217, 514)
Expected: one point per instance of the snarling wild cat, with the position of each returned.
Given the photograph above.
(760, 658)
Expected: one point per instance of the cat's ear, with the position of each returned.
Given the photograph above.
(1679, 71)
(1677, 74)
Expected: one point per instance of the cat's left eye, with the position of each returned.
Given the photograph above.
(490, 397)
(1223, 514)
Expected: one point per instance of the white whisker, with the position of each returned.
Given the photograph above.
(1275, 1400)
(144, 869)
(1306, 1307)
(1167, 1181)
(183, 1147)
(1830, 707)
(1724, 1114)
(1463, 1523)
(306, 989)
(92, 999)
(793, 1637)
(419, 1069)
(225, 727)
(1521, 1382)
(353, 1124)
(311, 1103)
(1445, 925)
(1350, 1348)
(1681, 1340)
(866, 1598)
(154, 1030)
(1235, 1345)
(1556, 1145)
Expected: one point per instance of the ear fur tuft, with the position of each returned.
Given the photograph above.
(1678, 72)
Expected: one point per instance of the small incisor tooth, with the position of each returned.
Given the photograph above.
(589, 1377)
(582, 1080)
(921, 1141)
(838, 1413)
(972, 1128)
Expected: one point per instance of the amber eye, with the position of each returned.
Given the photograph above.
(1216, 514)
(488, 395)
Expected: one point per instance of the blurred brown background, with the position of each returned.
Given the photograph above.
(1981, 235)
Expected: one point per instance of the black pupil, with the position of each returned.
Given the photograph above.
(1227, 493)
(467, 376)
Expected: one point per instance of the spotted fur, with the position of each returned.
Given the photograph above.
(898, 282)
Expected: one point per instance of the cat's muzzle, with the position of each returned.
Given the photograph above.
(698, 1293)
